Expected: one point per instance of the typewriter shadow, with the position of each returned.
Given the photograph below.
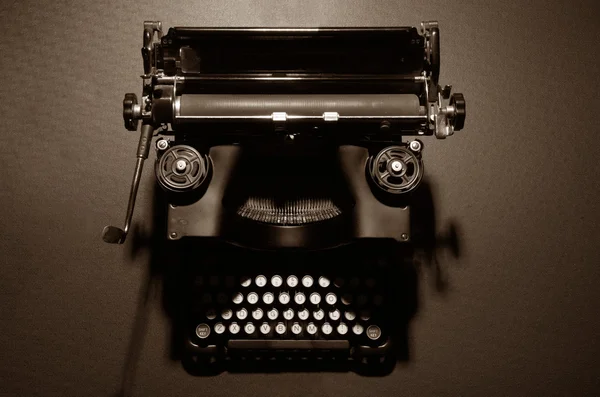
(165, 280)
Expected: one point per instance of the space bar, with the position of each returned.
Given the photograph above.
(266, 344)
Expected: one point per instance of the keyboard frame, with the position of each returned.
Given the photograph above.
(239, 354)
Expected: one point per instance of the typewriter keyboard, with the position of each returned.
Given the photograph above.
(300, 311)
(342, 306)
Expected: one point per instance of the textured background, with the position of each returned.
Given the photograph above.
(521, 315)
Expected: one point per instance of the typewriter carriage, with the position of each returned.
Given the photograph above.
(362, 87)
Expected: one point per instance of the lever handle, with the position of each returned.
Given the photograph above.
(113, 234)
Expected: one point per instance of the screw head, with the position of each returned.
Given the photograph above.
(396, 166)
(404, 236)
(180, 165)
(162, 144)
(173, 235)
(415, 146)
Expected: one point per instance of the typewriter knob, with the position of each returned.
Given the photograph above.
(457, 101)
(131, 112)
(182, 169)
(395, 170)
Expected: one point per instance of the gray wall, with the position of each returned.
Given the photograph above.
(521, 315)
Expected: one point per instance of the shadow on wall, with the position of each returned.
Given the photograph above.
(166, 277)
(428, 242)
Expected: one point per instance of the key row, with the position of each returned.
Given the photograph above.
(277, 281)
(299, 298)
(288, 314)
(203, 331)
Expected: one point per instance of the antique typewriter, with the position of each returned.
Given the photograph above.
(288, 159)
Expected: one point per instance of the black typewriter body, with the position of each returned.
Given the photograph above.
(287, 175)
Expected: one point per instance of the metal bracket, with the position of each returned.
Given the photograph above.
(439, 116)
(152, 35)
(331, 116)
(444, 114)
(279, 116)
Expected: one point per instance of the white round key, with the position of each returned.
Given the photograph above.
(268, 298)
(252, 298)
(288, 314)
(300, 298)
(292, 281)
(234, 328)
(249, 328)
(342, 329)
(350, 315)
(257, 313)
(265, 328)
(296, 328)
(315, 298)
(284, 298)
(245, 281)
(230, 281)
(280, 328)
(242, 314)
(272, 314)
(238, 298)
(303, 314)
(206, 298)
(226, 314)
(307, 281)
(339, 282)
(358, 329)
(260, 281)
(319, 314)
(219, 328)
(214, 281)
(365, 315)
(331, 298)
(311, 328)
(324, 282)
(326, 328)
(211, 314)
(276, 281)
(370, 282)
(222, 298)
(373, 332)
(334, 315)
(202, 331)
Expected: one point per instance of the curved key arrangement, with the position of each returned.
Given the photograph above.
(293, 311)
(329, 312)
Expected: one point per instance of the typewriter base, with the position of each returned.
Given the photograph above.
(380, 365)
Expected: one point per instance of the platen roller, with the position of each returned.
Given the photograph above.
(190, 107)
